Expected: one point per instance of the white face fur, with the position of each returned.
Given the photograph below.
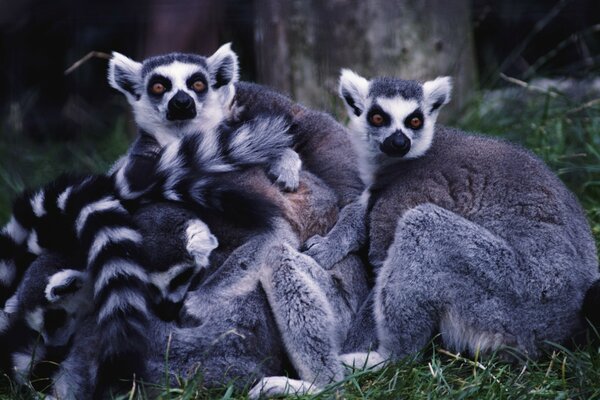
(395, 118)
(177, 94)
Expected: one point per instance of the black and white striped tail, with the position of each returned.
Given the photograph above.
(37, 224)
(192, 170)
(113, 251)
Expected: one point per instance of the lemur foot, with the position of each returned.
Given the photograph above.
(200, 242)
(280, 386)
(369, 360)
(323, 251)
(286, 171)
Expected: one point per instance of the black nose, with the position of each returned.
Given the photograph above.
(181, 107)
(396, 145)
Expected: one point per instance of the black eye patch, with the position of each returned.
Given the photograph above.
(415, 114)
(166, 82)
(198, 76)
(377, 110)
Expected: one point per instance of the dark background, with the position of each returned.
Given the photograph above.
(39, 39)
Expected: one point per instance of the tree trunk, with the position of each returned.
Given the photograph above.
(302, 44)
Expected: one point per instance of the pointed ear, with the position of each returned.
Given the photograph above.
(223, 66)
(354, 90)
(63, 283)
(125, 75)
(437, 92)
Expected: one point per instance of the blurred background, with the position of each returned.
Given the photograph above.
(525, 70)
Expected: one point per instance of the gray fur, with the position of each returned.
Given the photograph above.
(477, 240)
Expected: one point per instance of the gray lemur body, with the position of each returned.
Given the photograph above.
(473, 237)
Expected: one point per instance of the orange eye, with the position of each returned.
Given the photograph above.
(198, 86)
(158, 88)
(415, 122)
(377, 119)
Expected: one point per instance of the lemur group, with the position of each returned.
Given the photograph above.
(247, 239)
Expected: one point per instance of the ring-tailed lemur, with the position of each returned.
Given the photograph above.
(316, 136)
(473, 237)
(177, 94)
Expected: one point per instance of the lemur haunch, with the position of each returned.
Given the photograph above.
(473, 237)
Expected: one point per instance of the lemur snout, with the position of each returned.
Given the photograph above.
(396, 145)
(181, 107)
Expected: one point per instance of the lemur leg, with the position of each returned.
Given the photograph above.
(445, 272)
(304, 314)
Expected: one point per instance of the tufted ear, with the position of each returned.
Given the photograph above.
(125, 75)
(223, 66)
(437, 93)
(64, 283)
(354, 90)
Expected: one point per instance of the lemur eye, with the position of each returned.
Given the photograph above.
(198, 86)
(415, 122)
(377, 119)
(158, 88)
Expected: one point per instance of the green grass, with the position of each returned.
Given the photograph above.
(563, 133)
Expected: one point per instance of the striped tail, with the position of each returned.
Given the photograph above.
(193, 170)
(113, 249)
(32, 229)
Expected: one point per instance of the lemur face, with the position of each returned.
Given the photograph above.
(394, 116)
(175, 94)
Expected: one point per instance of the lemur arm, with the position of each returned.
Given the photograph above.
(347, 235)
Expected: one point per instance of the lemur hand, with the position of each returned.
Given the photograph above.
(285, 172)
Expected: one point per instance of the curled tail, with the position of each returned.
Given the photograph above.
(30, 229)
(194, 170)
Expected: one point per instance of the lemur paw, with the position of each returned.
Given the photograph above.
(200, 242)
(280, 386)
(286, 171)
(324, 252)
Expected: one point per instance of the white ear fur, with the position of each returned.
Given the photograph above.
(354, 90)
(223, 66)
(437, 92)
(124, 74)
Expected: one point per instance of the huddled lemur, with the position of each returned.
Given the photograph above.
(472, 237)
(176, 94)
(161, 83)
